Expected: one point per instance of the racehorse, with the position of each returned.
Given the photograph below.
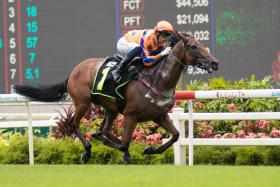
(147, 98)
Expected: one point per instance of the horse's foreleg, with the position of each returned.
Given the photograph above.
(129, 126)
(166, 123)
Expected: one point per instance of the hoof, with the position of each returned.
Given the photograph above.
(149, 150)
(126, 160)
(85, 157)
(97, 135)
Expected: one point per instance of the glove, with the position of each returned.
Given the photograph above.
(166, 51)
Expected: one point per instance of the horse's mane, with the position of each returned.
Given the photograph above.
(173, 39)
(177, 36)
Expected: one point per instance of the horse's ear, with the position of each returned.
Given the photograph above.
(183, 36)
(178, 34)
(187, 34)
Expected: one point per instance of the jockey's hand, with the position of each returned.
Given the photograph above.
(166, 51)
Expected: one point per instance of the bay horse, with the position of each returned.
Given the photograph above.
(147, 98)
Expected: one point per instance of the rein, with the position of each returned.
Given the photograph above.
(173, 42)
(185, 66)
(151, 85)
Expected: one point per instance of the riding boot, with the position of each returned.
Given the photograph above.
(116, 73)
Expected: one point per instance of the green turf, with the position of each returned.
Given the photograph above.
(125, 176)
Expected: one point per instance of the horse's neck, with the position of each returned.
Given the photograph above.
(168, 74)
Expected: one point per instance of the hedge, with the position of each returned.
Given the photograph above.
(68, 151)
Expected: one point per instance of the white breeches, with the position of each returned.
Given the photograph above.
(125, 46)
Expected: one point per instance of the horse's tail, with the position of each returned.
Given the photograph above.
(44, 93)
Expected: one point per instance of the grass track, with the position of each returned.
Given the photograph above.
(137, 175)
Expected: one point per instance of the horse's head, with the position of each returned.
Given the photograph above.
(192, 52)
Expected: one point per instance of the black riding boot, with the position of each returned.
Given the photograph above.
(116, 73)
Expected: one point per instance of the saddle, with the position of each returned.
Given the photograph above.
(105, 85)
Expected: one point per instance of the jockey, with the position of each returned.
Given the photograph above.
(150, 43)
(129, 44)
(130, 40)
(153, 44)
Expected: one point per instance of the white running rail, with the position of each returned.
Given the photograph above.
(179, 117)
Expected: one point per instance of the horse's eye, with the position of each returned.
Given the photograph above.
(194, 47)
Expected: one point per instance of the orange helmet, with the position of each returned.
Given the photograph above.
(163, 26)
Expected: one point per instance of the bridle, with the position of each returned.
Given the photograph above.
(171, 55)
(200, 63)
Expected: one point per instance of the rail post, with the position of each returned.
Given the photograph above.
(30, 134)
(190, 108)
(179, 150)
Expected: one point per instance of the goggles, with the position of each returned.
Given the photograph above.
(164, 33)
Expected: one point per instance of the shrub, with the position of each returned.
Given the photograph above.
(101, 154)
(216, 155)
(272, 156)
(16, 152)
(68, 151)
(249, 156)
(62, 151)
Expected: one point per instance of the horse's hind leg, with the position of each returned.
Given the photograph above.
(107, 128)
(166, 123)
(129, 126)
(98, 134)
(106, 135)
(80, 110)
